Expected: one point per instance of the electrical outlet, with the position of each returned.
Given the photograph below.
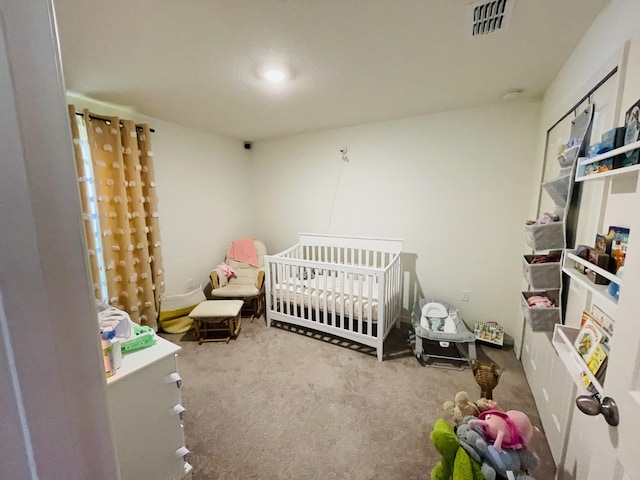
(465, 295)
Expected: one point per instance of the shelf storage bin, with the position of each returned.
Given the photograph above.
(548, 236)
(566, 158)
(558, 188)
(542, 319)
(541, 275)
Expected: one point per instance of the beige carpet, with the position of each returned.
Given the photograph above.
(275, 404)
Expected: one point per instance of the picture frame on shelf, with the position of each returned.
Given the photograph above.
(489, 332)
(632, 134)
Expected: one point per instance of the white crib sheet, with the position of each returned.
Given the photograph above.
(312, 292)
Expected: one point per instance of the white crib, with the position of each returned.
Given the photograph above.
(349, 287)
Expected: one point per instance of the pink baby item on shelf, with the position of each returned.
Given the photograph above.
(227, 270)
(244, 250)
(539, 301)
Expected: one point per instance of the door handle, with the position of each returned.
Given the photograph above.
(592, 405)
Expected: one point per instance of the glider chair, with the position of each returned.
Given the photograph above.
(241, 276)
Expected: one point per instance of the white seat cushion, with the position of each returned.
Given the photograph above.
(217, 309)
(235, 290)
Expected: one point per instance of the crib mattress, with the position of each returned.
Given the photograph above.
(312, 294)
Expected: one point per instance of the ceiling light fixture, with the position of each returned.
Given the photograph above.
(274, 75)
(513, 94)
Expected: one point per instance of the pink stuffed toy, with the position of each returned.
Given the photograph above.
(511, 429)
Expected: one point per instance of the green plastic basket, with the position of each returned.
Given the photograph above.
(142, 337)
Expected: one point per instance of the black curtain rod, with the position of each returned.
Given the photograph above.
(152, 130)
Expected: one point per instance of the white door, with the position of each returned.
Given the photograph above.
(615, 451)
(619, 446)
(54, 422)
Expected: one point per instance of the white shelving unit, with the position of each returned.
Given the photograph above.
(612, 153)
(568, 267)
(563, 338)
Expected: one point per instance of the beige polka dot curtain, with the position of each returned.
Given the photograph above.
(124, 191)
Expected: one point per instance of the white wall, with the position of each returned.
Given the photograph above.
(204, 194)
(618, 22)
(597, 51)
(455, 186)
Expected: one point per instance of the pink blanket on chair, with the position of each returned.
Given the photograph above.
(244, 250)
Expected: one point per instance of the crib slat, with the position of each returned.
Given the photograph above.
(325, 315)
(283, 281)
(287, 275)
(333, 296)
(360, 305)
(351, 300)
(317, 292)
(370, 303)
(342, 281)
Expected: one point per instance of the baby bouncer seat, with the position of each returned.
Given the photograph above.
(439, 334)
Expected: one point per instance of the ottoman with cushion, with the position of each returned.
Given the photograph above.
(217, 320)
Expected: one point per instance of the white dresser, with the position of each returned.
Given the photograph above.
(144, 401)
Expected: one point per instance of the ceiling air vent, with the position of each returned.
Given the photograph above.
(489, 17)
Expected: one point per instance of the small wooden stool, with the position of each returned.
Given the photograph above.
(217, 316)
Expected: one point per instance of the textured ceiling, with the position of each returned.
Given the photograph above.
(194, 62)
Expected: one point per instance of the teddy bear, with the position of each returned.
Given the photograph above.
(461, 407)
(485, 404)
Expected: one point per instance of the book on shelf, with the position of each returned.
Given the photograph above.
(592, 343)
(619, 239)
(597, 365)
(602, 319)
(589, 337)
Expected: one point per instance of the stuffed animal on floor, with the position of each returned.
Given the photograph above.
(486, 377)
(519, 462)
(511, 429)
(494, 464)
(455, 463)
(485, 404)
(461, 407)
(476, 447)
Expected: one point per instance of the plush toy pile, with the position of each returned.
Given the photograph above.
(486, 442)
